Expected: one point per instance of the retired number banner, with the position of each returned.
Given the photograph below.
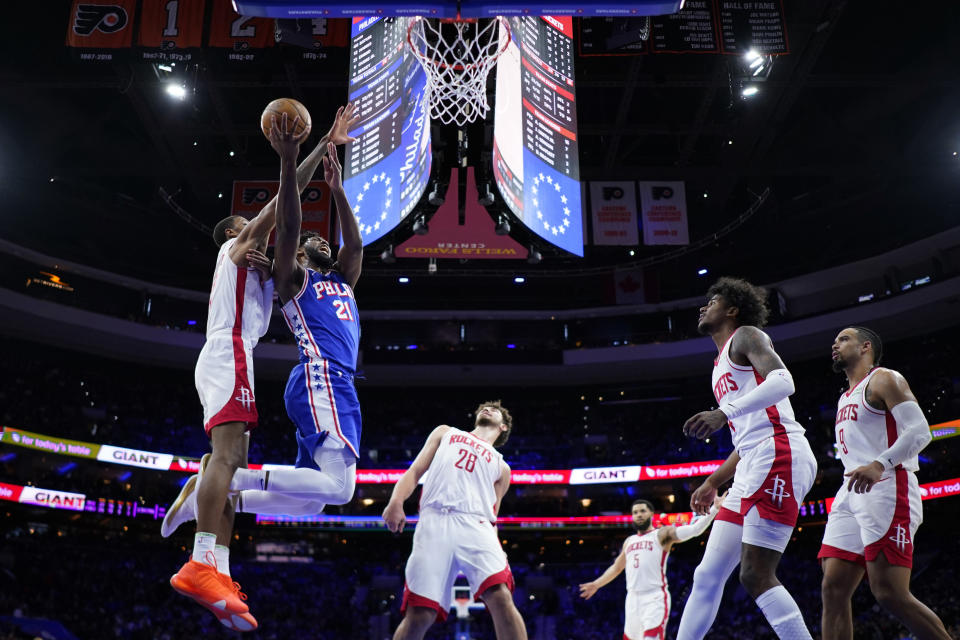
(664, 206)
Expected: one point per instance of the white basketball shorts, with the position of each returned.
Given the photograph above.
(771, 479)
(647, 613)
(444, 544)
(861, 525)
(224, 379)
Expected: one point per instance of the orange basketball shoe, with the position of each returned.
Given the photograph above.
(236, 621)
(202, 582)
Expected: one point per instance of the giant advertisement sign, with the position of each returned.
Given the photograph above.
(536, 162)
(387, 168)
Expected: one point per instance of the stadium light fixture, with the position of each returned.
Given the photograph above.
(519, 279)
(702, 271)
(403, 280)
(749, 91)
(177, 91)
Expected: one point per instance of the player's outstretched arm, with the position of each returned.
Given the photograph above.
(350, 255)
(260, 227)
(588, 589)
(287, 273)
(755, 346)
(673, 534)
(393, 515)
(889, 390)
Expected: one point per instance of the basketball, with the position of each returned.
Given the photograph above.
(292, 108)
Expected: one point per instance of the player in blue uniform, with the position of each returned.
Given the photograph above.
(320, 309)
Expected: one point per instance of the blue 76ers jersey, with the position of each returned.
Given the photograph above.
(323, 318)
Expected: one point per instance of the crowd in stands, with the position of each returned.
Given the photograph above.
(351, 589)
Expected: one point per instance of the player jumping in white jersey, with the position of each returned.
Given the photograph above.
(772, 465)
(466, 478)
(880, 429)
(241, 303)
(644, 556)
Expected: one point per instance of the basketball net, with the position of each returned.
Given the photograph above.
(457, 55)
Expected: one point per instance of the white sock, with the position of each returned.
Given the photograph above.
(222, 554)
(269, 503)
(720, 558)
(203, 544)
(783, 614)
(244, 479)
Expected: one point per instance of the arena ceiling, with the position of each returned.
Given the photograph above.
(854, 134)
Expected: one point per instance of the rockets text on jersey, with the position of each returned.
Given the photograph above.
(646, 562)
(323, 318)
(731, 381)
(462, 475)
(864, 432)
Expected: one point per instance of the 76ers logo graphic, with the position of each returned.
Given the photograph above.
(900, 537)
(245, 398)
(778, 493)
(107, 18)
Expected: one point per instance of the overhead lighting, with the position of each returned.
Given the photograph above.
(752, 56)
(750, 90)
(420, 227)
(534, 256)
(177, 91)
(387, 256)
(220, 195)
(403, 279)
(632, 252)
(231, 154)
(706, 195)
(503, 225)
(702, 271)
(165, 67)
(519, 279)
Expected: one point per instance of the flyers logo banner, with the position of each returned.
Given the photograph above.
(250, 196)
(101, 25)
(106, 18)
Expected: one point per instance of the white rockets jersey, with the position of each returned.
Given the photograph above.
(732, 381)
(462, 475)
(253, 305)
(864, 432)
(646, 562)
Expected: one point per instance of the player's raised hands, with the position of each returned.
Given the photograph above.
(704, 423)
(282, 137)
(394, 517)
(588, 589)
(342, 124)
(332, 172)
(863, 478)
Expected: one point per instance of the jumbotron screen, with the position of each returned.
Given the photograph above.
(536, 163)
(387, 168)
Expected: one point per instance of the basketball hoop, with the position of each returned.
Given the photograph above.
(457, 55)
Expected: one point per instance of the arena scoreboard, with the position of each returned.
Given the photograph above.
(451, 8)
(536, 162)
(386, 170)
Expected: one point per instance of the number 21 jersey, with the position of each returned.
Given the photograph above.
(323, 319)
(462, 475)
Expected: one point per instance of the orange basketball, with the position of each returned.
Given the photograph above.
(290, 107)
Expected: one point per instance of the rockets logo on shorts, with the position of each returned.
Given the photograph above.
(778, 493)
(245, 398)
(105, 18)
(901, 537)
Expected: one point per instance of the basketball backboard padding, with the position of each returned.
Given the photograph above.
(449, 9)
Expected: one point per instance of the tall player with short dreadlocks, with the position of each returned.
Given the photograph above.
(772, 465)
